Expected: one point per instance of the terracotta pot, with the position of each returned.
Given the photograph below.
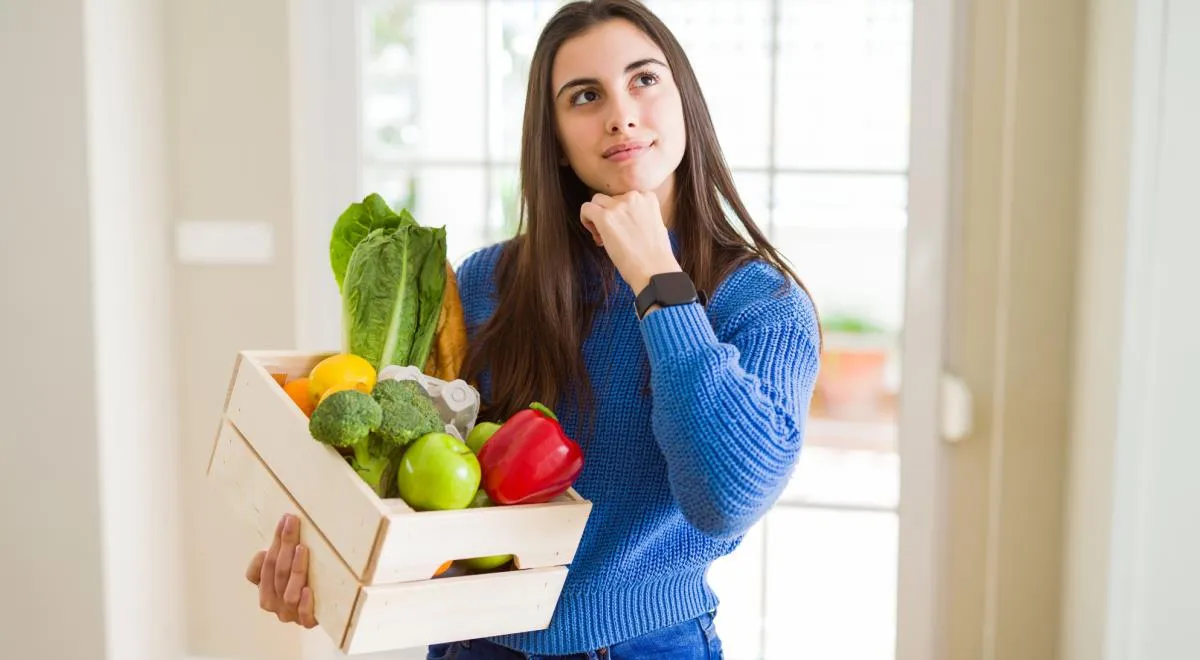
(851, 383)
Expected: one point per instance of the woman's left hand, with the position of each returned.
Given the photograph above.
(630, 228)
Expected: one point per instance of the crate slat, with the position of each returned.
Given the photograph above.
(261, 501)
(318, 478)
(539, 535)
(419, 613)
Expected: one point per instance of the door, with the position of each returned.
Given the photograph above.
(845, 162)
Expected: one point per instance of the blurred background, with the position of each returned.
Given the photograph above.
(990, 200)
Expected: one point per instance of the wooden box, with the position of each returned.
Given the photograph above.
(371, 559)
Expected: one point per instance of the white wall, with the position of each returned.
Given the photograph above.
(1156, 526)
(228, 75)
(52, 566)
(88, 501)
(135, 363)
(1133, 537)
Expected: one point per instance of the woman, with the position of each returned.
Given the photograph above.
(690, 411)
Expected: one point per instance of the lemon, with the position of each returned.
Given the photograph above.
(343, 371)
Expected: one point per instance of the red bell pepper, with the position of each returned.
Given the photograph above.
(529, 459)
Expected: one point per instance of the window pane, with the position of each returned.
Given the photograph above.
(397, 187)
(423, 92)
(824, 475)
(738, 580)
(841, 201)
(843, 93)
(437, 196)
(755, 190)
(845, 235)
(728, 43)
(831, 584)
(513, 33)
(504, 203)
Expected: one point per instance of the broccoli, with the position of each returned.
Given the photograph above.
(348, 419)
(408, 412)
(376, 428)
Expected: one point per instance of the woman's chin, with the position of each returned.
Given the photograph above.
(623, 184)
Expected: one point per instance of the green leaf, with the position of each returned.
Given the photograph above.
(379, 297)
(392, 295)
(355, 223)
(432, 288)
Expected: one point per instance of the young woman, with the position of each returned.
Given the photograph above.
(690, 408)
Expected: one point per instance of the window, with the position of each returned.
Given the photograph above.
(822, 164)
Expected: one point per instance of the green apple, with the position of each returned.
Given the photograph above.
(480, 433)
(485, 563)
(438, 472)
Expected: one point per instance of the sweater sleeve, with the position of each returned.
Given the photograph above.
(729, 416)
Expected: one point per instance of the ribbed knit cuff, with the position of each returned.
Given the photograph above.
(676, 331)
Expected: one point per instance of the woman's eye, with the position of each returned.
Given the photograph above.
(646, 79)
(586, 96)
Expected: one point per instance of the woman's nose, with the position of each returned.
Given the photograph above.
(623, 117)
(618, 126)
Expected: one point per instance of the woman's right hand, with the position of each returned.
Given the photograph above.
(281, 574)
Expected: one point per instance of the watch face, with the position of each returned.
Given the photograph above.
(674, 288)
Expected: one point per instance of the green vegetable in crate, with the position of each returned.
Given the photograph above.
(348, 419)
(408, 411)
(392, 283)
(485, 563)
(358, 220)
(438, 473)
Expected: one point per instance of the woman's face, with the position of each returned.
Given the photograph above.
(619, 115)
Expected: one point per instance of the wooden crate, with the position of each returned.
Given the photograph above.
(371, 559)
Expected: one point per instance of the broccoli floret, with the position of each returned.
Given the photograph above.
(408, 412)
(348, 420)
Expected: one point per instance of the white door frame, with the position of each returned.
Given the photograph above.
(933, 213)
(325, 176)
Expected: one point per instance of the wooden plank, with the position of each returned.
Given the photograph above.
(349, 514)
(449, 609)
(260, 500)
(293, 363)
(539, 535)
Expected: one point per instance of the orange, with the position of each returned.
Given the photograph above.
(298, 391)
(338, 388)
(338, 370)
(443, 568)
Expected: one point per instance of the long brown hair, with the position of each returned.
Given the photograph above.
(532, 345)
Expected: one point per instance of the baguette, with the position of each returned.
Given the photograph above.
(450, 340)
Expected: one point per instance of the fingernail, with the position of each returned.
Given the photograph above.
(299, 553)
(290, 525)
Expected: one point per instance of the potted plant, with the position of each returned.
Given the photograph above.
(854, 361)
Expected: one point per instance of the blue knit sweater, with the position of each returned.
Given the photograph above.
(677, 477)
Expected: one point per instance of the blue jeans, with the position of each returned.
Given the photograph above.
(695, 639)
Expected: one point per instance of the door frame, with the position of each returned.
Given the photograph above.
(934, 210)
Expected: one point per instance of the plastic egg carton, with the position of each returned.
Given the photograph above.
(457, 402)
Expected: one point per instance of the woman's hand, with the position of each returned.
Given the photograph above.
(630, 228)
(281, 574)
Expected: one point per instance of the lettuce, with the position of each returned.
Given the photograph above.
(355, 223)
(392, 283)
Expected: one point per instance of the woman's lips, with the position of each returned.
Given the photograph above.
(626, 151)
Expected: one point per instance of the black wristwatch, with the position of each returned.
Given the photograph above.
(667, 289)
